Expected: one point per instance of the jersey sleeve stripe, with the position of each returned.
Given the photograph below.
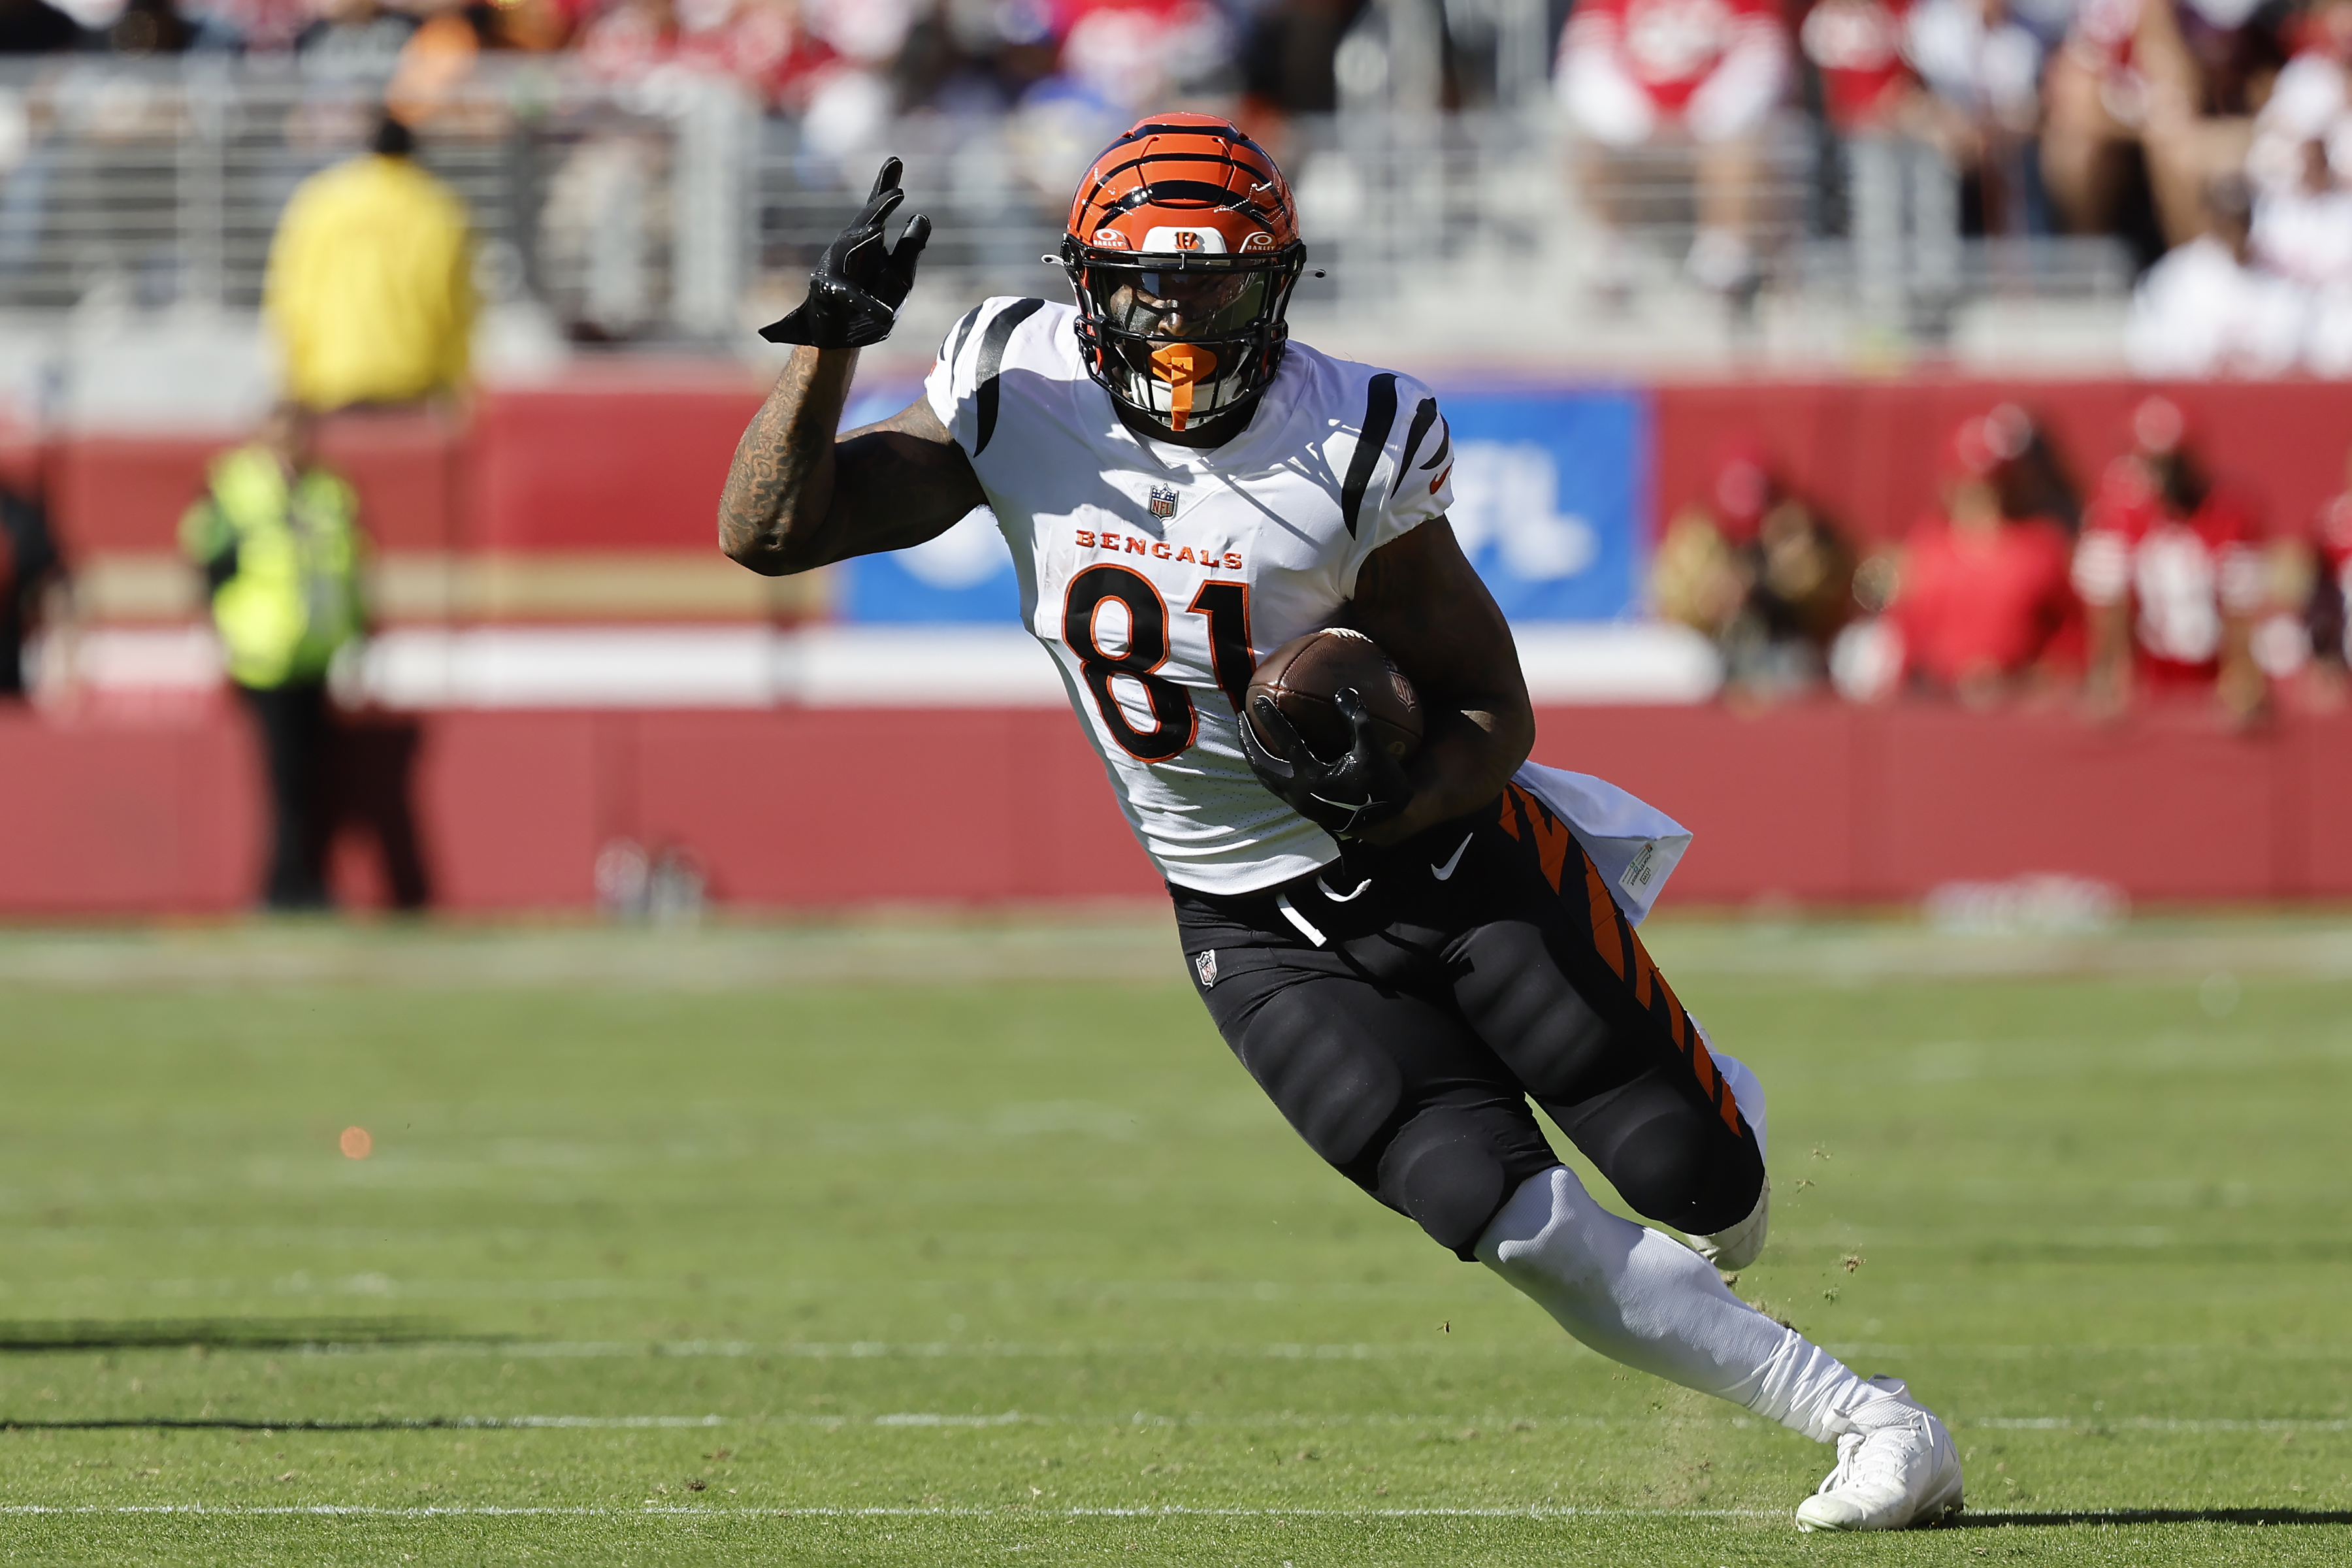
(1445, 449)
(992, 359)
(956, 337)
(1380, 416)
(1425, 415)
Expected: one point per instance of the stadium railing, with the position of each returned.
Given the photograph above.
(669, 211)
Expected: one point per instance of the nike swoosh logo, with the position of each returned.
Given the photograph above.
(1445, 872)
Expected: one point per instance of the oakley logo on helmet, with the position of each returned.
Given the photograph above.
(1199, 334)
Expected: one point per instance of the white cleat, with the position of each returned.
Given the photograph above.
(1896, 1468)
(1734, 1250)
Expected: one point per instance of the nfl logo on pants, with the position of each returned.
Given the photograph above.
(1163, 500)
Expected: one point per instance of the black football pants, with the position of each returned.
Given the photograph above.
(1409, 1002)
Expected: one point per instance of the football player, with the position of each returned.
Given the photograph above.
(1402, 955)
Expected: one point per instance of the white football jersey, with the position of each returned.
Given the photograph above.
(1158, 575)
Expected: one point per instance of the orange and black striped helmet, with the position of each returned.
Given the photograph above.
(1184, 248)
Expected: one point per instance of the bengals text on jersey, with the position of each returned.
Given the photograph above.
(1153, 572)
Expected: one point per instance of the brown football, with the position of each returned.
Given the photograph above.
(1306, 675)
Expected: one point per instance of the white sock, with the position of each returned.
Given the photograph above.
(1641, 1298)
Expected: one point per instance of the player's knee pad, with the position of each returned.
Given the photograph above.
(1443, 1171)
(1680, 1168)
(1734, 1250)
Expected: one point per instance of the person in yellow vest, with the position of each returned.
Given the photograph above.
(370, 286)
(277, 536)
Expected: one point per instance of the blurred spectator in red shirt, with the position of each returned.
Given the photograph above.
(626, 41)
(2170, 566)
(1956, 76)
(1708, 73)
(764, 44)
(1983, 605)
(1857, 46)
(1760, 573)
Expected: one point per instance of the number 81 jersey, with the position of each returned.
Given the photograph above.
(1157, 576)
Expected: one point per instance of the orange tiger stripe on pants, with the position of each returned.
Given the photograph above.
(1531, 822)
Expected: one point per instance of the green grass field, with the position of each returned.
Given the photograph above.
(926, 1243)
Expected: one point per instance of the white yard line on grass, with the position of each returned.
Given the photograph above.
(926, 1349)
(2150, 1423)
(1014, 1512)
(1287, 1419)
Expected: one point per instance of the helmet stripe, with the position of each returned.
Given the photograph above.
(1231, 133)
(1137, 166)
(1200, 190)
(1125, 202)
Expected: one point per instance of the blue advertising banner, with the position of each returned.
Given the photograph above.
(1549, 491)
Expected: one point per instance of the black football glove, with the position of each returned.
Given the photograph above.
(1359, 789)
(856, 292)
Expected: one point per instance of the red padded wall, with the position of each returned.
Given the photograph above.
(100, 819)
(624, 468)
(823, 807)
(1819, 804)
(126, 493)
(603, 463)
(1772, 800)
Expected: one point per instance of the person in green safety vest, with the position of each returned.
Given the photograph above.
(277, 536)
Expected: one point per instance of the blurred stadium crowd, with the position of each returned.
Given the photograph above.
(603, 149)
(2209, 141)
(2163, 577)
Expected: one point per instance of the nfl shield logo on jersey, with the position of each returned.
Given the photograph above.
(1205, 966)
(1163, 500)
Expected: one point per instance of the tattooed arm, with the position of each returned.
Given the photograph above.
(797, 498)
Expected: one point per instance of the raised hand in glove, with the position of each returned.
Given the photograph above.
(1345, 796)
(856, 292)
